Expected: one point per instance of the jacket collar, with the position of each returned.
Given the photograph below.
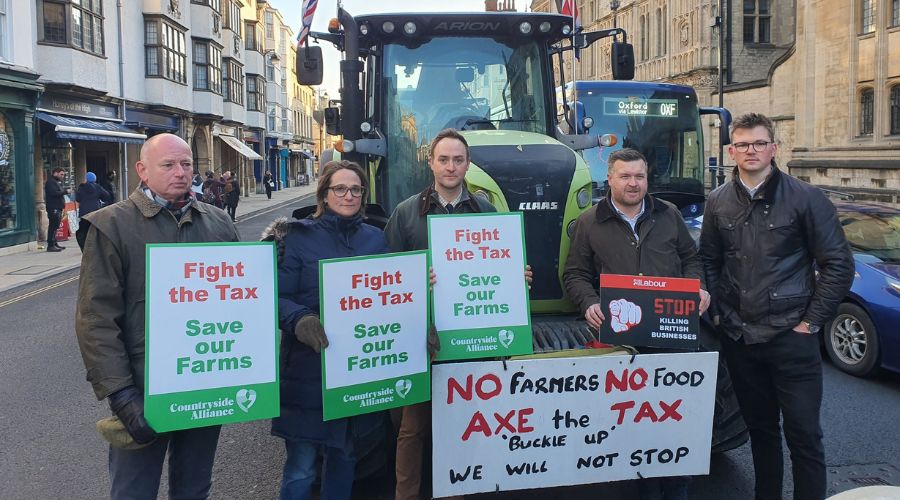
(428, 197)
(150, 208)
(766, 191)
(605, 210)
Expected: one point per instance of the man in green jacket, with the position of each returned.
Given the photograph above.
(109, 320)
(407, 230)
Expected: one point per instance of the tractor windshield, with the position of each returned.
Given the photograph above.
(457, 82)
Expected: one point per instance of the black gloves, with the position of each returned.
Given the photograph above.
(309, 331)
(434, 342)
(128, 405)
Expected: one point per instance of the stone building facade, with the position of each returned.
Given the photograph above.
(826, 71)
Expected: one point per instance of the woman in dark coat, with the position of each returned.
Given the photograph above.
(268, 183)
(90, 196)
(335, 230)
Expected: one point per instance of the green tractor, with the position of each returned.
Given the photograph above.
(492, 76)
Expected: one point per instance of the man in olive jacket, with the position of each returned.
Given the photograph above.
(407, 230)
(109, 320)
(629, 232)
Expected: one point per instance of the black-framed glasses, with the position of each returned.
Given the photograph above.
(341, 190)
(758, 146)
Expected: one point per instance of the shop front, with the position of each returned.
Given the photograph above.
(83, 136)
(19, 93)
(235, 156)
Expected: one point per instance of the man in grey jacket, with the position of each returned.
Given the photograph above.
(109, 319)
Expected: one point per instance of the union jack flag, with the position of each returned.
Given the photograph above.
(307, 11)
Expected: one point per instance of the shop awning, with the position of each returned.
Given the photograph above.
(67, 127)
(240, 147)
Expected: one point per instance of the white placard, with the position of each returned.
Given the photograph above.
(557, 422)
(210, 316)
(375, 312)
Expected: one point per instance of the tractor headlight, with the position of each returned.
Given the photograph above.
(481, 193)
(388, 27)
(566, 29)
(410, 28)
(525, 28)
(570, 229)
(544, 27)
(583, 197)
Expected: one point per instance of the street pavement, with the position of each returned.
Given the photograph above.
(26, 267)
(51, 450)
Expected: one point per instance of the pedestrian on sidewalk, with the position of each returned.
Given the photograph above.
(91, 196)
(213, 190)
(55, 201)
(778, 264)
(109, 320)
(269, 184)
(109, 184)
(232, 195)
(338, 218)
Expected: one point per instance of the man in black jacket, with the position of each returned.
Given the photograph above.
(762, 235)
(55, 201)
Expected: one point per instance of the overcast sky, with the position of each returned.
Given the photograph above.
(290, 11)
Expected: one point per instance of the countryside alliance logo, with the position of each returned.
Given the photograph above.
(245, 399)
(402, 387)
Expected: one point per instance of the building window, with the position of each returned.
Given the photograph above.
(207, 66)
(253, 40)
(232, 81)
(270, 25)
(895, 110)
(256, 93)
(76, 23)
(8, 206)
(868, 16)
(895, 13)
(757, 21)
(215, 4)
(867, 112)
(644, 43)
(165, 51)
(233, 17)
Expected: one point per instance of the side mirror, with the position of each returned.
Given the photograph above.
(333, 121)
(724, 122)
(622, 61)
(309, 65)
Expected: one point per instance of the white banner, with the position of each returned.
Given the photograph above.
(556, 422)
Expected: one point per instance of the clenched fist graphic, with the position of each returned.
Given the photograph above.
(624, 315)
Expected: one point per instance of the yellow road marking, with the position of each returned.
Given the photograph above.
(38, 291)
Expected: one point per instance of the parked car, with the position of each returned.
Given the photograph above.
(865, 334)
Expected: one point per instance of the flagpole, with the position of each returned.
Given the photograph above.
(574, 10)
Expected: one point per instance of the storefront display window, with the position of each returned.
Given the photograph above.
(8, 212)
(60, 155)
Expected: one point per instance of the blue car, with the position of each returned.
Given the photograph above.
(865, 334)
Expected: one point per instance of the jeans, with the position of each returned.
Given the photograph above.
(231, 208)
(664, 488)
(135, 474)
(782, 377)
(300, 471)
(53, 219)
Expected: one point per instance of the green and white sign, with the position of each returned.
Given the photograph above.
(481, 298)
(211, 334)
(375, 313)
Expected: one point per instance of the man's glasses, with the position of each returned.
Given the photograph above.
(340, 191)
(758, 146)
